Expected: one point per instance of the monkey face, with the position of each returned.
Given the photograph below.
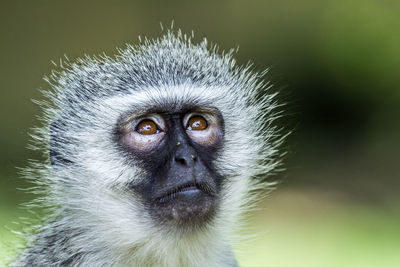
(169, 157)
(167, 135)
(177, 150)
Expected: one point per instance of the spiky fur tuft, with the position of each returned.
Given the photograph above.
(95, 223)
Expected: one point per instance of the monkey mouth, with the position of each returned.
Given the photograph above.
(189, 204)
(188, 190)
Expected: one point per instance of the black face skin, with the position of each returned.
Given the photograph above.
(182, 187)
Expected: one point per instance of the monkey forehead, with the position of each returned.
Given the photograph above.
(169, 99)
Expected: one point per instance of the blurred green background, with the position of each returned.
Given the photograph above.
(337, 64)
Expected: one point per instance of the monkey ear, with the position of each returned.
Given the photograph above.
(56, 145)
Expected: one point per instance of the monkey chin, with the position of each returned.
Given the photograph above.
(190, 208)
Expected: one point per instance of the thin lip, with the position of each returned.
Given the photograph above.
(172, 193)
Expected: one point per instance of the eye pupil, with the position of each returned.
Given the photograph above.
(197, 123)
(147, 127)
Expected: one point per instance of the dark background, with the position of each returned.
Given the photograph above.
(336, 64)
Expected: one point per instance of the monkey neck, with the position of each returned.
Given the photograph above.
(66, 243)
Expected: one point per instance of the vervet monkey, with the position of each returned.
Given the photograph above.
(153, 157)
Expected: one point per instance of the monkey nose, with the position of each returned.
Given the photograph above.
(185, 160)
(185, 156)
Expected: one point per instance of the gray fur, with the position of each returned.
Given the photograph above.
(94, 222)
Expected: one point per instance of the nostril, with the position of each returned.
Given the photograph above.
(181, 160)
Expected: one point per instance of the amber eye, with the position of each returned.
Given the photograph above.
(197, 123)
(147, 127)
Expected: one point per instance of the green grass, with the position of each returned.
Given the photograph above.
(303, 228)
(7, 238)
(313, 229)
